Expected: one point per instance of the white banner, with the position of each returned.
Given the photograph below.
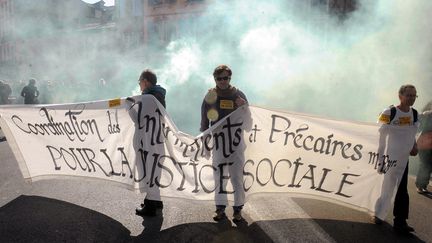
(135, 143)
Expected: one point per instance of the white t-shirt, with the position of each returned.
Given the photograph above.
(401, 118)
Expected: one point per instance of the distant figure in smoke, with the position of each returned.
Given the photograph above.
(425, 150)
(402, 115)
(147, 82)
(219, 102)
(102, 82)
(5, 92)
(30, 93)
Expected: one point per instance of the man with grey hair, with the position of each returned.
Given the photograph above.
(148, 85)
(402, 115)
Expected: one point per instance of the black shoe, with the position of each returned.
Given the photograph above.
(146, 211)
(219, 215)
(237, 217)
(422, 190)
(403, 228)
(376, 220)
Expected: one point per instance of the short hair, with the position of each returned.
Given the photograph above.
(149, 76)
(404, 87)
(220, 69)
(32, 81)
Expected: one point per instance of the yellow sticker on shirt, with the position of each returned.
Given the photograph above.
(227, 104)
(384, 118)
(115, 102)
(405, 120)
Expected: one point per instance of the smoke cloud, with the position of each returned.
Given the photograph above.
(284, 55)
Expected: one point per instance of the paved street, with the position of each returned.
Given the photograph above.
(84, 210)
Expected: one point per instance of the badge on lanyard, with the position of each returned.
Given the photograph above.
(227, 104)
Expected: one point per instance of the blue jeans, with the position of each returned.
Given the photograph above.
(425, 168)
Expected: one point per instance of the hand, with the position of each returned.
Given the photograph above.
(414, 150)
(380, 168)
(240, 101)
(207, 154)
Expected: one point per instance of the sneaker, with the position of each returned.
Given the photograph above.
(219, 215)
(422, 190)
(376, 220)
(403, 228)
(146, 211)
(237, 217)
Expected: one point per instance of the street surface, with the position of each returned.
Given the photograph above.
(87, 210)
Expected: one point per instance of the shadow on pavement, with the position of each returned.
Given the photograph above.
(343, 231)
(40, 219)
(223, 231)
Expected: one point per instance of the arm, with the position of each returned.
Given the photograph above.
(204, 120)
(160, 97)
(23, 92)
(414, 150)
(381, 148)
(384, 119)
(241, 99)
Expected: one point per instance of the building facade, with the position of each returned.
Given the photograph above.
(8, 56)
(35, 33)
(167, 20)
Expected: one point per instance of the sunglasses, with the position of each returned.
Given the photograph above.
(223, 78)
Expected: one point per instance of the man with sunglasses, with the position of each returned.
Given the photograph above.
(402, 115)
(219, 102)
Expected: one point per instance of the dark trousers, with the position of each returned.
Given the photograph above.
(152, 204)
(401, 203)
(425, 168)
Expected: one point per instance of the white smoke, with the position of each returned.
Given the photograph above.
(284, 54)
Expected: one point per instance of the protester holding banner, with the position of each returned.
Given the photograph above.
(400, 116)
(147, 82)
(219, 102)
(425, 150)
(30, 93)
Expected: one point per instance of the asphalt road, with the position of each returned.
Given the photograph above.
(86, 210)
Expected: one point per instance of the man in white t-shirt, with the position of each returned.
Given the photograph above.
(402, 115)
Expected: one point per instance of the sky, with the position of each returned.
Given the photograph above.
(107, 2)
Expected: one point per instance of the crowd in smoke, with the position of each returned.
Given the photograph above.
(55, 92)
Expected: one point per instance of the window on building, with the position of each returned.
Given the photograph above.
(155, 2)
